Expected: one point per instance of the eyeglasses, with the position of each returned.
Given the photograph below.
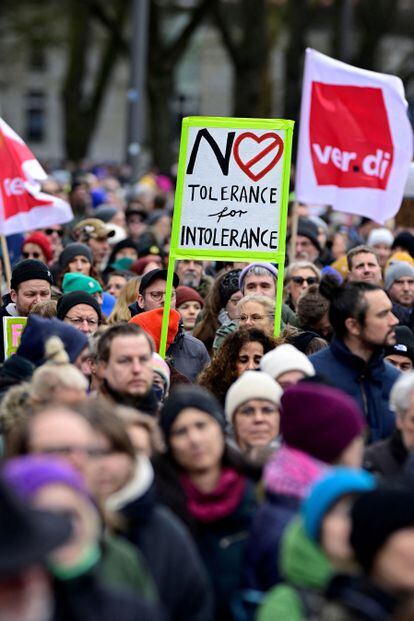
(254, 317)
(299, 280)
(51, 231)
(31, 255)
(68, 450)
(78, 321)
(158, 295)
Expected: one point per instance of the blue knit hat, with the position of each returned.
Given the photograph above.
(327, 491)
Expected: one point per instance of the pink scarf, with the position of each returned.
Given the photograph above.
(220, 502)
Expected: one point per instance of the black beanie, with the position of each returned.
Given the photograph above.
(69, 300)
(189, 397)
(74, 250)
(375, 517)
(30, 269)
(229, 285)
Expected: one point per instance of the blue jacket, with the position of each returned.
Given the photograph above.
(369, 383)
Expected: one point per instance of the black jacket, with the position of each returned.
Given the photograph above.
(3, 313)
(86, 599)
(387, 457)
(172, 558)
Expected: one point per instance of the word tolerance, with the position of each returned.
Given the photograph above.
(247, 239)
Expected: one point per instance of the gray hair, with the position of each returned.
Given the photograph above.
(401, 393)
(267, 303)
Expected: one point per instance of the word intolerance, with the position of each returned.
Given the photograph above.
(246, 238)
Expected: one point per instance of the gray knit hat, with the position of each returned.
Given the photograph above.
(73, 250)
(396, 271)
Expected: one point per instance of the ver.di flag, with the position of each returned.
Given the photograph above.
(355, 139)
(23, 206)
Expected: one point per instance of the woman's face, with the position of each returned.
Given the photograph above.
(189, 312)
(335, 533)
(197, 441)
(300, 280)
(254, 315)
(126, 253)
(249, 357)
(85, 521)
(33, 251)
(80, 264)
(115, 284)
(109, 472)
(256, 423)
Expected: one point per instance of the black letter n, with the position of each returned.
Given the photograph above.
(222, 160)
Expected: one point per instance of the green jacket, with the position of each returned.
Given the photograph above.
(122, 565)
(307, 572)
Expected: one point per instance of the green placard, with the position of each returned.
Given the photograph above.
(232, 195)
(12, 332)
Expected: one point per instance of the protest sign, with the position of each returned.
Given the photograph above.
(12, 333)
(232, 195)
(355, 139)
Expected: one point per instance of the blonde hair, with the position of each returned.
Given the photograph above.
(55, 374)
(14, 407)
(128, 295)
(267, 303)
(45, 309)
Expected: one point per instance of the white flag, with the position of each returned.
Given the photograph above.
(355, 139)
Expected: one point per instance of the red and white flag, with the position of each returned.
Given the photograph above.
(23, 206)
(355, 139)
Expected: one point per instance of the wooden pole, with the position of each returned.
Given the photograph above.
(6, 259)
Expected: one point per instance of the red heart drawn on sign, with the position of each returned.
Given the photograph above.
(246, 167)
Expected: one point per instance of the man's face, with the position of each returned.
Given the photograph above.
(305, 250)
(402, 291)
(400, 362)
(378, 329)
(263, 285)
(129, 368)
(154, 296)
(28, 293)
(393, 566)
(365, 267)
(190, 272)
(100, 249)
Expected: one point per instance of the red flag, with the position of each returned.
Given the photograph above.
(23, 206)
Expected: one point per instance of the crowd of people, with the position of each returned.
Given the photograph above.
(244, 477)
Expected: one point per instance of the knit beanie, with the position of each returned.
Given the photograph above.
(286, 358)
(328, 491)
(42, 241)
(398, 257)
(69, 300)
(161, 367)
(376, 516)
(404, 343)
(380, 236)
(404, 240)
(189, 396)
(151, 322)
(38, 330)
(319, 420)
(229, 285)
(74, 250)
(251, 385)
(307, 228)
(30, 269)
(187, 294)
(30, 473)
(396, 271)
(139, 265)
(267, 266)
(105, 212)
(75, 281)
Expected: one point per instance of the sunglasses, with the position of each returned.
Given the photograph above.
(299, 280)
(51, 231)
(31, 255)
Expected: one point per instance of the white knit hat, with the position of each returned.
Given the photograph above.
(251, 385)
(380, 236)
(286, 358)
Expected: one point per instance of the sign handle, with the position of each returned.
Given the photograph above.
(167, 306)
(6, 258)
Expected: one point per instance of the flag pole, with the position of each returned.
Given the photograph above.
(6, 258)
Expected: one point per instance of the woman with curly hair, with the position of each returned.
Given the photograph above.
(220, 307)
(241, 350)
